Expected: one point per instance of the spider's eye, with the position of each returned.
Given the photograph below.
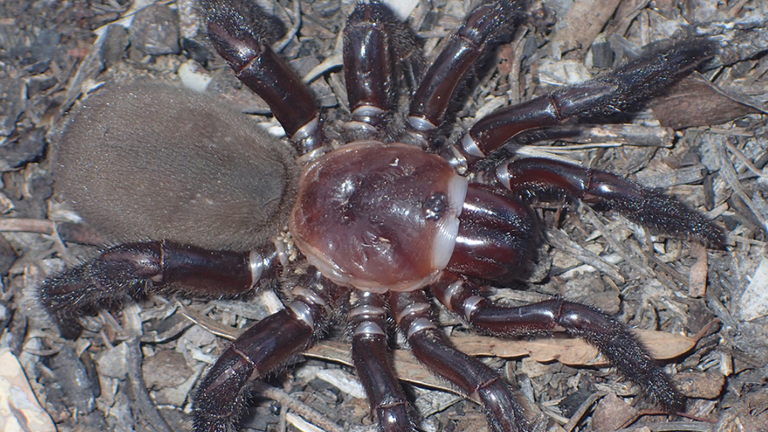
(435, 206)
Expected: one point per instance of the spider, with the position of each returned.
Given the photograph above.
(193, 197)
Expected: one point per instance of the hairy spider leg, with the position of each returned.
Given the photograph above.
(413, 313)
(536, 178)
(619, 90)
(380, 51)
(263, 349)
(609, 336)
(372, 359)
(483, 27)
(133, 271)
(387, 43)
(238, 31)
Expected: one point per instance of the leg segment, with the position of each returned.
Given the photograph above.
(482, 27)
(239, 31)
(262, 350)
(375, 43)
(133, 271)
(414, 316)
(545, 178)
(577, 320)
(623, 88)
(368, 321)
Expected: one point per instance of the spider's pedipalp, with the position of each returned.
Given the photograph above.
(538, 178)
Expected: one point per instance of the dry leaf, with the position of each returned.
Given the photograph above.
(569, 351)
(572, 352)
(695, 102)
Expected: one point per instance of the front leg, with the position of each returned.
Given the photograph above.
(609, 336)
(620, 90)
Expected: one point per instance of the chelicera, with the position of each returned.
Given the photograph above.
(193, 198)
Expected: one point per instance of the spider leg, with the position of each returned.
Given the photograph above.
(135, 270)
(371, 357)
(617, 91)
(262, 350)
(429, 344)
(601, 330)
(375, 43)
(239, 31)
(482, 27)
(537, 178)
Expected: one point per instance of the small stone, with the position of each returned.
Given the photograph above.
(155, 31)
(112, 362)
(166, 369)
(611, 413)
(700, 385)
(535, 369)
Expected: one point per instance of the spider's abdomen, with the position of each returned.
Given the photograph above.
(149, 162)
(378, 217)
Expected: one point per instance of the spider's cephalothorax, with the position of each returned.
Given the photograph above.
(194, 197)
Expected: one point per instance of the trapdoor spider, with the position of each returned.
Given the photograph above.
(193, 197)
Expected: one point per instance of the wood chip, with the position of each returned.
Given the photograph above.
(697, 278)
(19, 409)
